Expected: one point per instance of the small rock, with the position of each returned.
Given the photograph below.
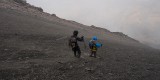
(88, 69)
(60, 62)
(6, 49)
(110, 74)
(82, 65)
(85, 62)
(71, 67)
(19, 58)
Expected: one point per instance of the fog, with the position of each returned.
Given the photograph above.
(139, 19)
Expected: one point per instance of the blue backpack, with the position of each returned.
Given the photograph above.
(98, 45)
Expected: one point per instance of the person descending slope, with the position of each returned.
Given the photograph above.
(74, 45)
(94, 45)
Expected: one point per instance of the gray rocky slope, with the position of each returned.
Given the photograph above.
(33, 46)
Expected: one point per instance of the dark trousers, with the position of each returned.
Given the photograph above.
(93, 54)
(77, 51)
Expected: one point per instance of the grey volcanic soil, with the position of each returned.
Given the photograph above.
(43, 58)
(33, 48)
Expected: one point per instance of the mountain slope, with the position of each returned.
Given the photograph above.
(33, 46)
(35, 19)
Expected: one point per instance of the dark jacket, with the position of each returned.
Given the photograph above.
(77, 39)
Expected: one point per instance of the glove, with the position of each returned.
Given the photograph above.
(82, 38)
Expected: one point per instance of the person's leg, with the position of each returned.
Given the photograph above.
(74, 50)
(79, 52)
(95, 54)
(91, 54)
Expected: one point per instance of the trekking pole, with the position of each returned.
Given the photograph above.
(84, 43)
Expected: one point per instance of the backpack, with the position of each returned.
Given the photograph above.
(92, 46)
(91, 43)
(73, 41)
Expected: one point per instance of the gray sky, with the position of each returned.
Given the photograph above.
(139, 19)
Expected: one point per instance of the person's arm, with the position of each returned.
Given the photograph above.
(80, 39)
(90, 45)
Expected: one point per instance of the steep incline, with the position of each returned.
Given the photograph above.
(23, 18)
(33, 46)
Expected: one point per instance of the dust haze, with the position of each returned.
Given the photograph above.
(34, 44)
(139, 19)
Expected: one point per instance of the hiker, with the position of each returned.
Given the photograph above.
(94, 45)
(74, 45)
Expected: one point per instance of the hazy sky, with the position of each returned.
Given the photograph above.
(139, 19)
